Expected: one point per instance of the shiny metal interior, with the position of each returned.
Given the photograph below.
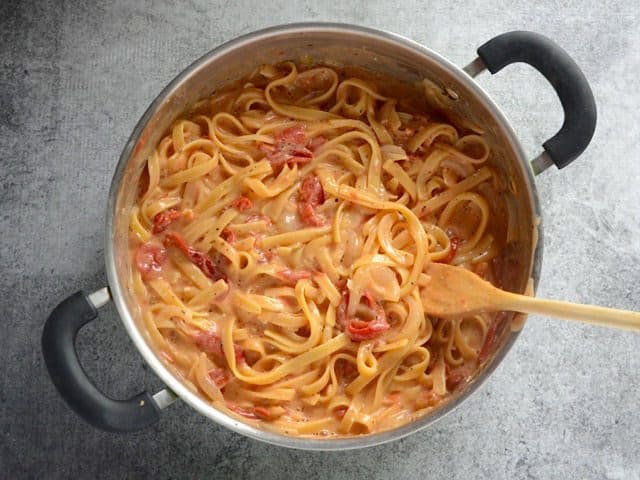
(339, 45)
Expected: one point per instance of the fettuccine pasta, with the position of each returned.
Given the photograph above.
(279, 243)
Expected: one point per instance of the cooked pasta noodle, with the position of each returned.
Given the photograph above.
(279, 244)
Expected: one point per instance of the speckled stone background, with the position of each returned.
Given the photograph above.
(75, 77)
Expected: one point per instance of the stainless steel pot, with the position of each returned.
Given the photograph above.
(339, 45)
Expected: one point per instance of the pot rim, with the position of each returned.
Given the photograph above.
(192, 398)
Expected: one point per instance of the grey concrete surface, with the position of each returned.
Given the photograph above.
(75, 77)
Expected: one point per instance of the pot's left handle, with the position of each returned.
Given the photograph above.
(75, 387)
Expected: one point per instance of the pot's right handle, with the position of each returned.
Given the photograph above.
(564, 76)
(75, 387)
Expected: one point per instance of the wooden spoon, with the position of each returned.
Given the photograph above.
(455, 291)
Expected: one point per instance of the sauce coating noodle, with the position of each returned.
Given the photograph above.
(277, 252)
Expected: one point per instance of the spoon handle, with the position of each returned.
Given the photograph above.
(606, 317)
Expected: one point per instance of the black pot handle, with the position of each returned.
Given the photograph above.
(75, 387)
(564, 76)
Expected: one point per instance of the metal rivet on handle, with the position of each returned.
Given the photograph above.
(541, 163)
(100, 297)
(164, 398)
(475, 68)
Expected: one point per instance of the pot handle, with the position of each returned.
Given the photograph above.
(67, 374)
(565, 77)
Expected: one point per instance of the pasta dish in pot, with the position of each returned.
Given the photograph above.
(278, 244)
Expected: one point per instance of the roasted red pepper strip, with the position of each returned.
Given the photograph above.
(204, 263)
(359, 330)
(173, 239)
(199, 259)
(228, 235)
(262, 413)
(294, 136)
(290, 148)
(309, 216)
(149, 259)
(242, 204)
(211, 342)
(311, 195)
(311, 191)
(163, 219)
